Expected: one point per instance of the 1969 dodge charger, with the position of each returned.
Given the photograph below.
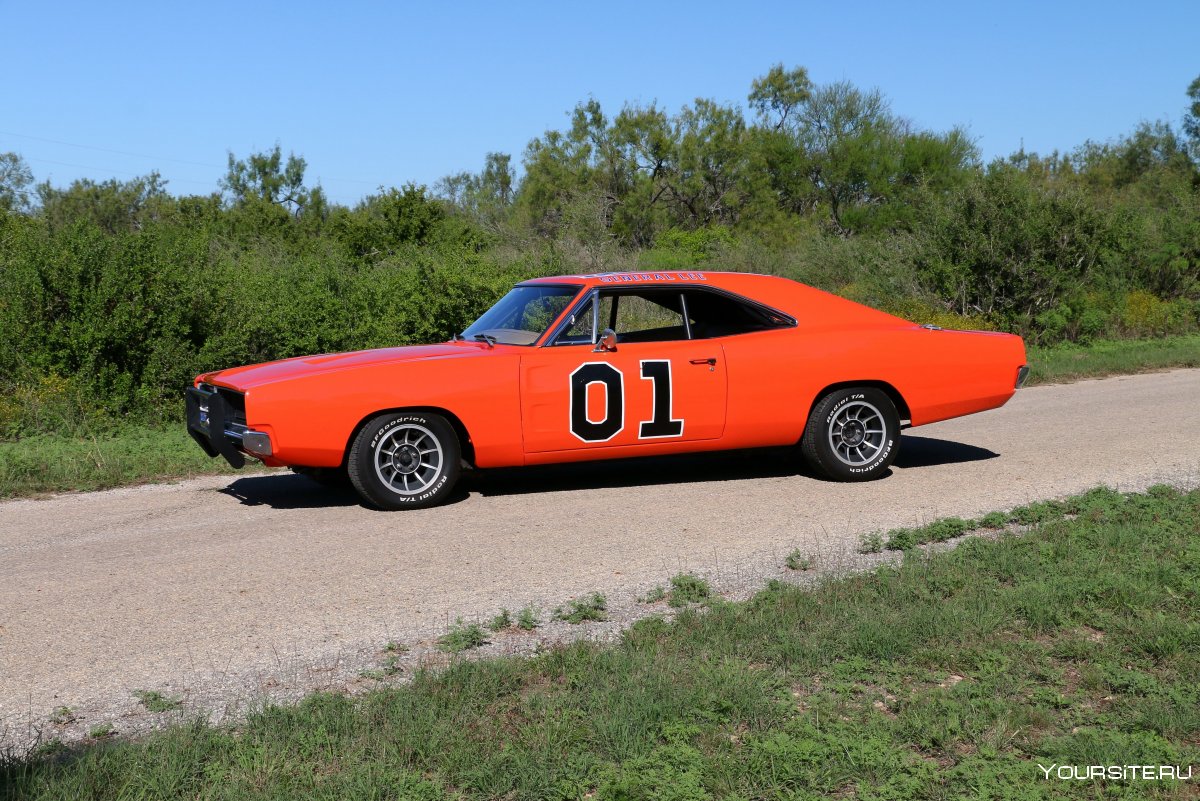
(604, 366)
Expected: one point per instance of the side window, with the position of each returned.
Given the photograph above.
(579, 330)
(648, 317)
(714, 315)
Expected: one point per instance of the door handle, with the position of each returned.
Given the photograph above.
(711, 362)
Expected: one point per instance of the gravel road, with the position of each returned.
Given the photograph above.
(224, 592)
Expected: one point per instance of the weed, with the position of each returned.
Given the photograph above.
(527, 619)
(687, 589)
(993, 520)
(798, 560)
(62, 716)
(580, 610)
(101, 731)
(1039, 512)
(654, 596)
(49, 748)
(154, 701)
(871, 543)
(502, 621)
(901, 539)
(462, 637)
(388, 668)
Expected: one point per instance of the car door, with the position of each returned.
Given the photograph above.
(657, 386)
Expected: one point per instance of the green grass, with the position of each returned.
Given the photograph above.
(1090, 503)
(1062, 363)
(154, 701)
(687, 589)
(131, 455)
(589, 608)
(462, 637)
(950, 676)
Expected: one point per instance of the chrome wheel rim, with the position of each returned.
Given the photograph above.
(409, 459)
(857, 433)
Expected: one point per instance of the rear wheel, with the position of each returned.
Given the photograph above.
(405, 460)
(853, 434)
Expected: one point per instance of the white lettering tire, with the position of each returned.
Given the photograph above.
(853, 434)
(405, 460)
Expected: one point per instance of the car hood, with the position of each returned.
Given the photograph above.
(245, 378)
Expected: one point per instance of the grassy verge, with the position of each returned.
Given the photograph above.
(1062, 363)
(901, 539)
(954, 675)
(50, 463)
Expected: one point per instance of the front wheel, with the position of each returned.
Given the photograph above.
(853, 434)
(405, 460)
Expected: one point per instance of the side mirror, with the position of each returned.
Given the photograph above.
(607, 342)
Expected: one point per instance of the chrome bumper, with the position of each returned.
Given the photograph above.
(212, 422)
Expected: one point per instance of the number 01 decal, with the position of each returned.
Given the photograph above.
(660, 425)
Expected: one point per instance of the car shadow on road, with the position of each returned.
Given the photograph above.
(930, 452)
(291, 491)
(641, 472)
(915, 452)
(288, 491)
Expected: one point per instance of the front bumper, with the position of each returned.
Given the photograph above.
(216, 419)
(1022, 375)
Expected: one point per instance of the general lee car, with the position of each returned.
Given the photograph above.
(584, 367)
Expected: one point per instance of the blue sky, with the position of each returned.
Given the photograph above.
(381, 94)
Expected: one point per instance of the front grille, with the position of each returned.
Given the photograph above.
(234, 400)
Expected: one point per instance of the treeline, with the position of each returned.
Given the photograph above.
(114, 294)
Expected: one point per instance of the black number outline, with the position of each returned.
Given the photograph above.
(662, 408)
(661, 387)
(577, 407)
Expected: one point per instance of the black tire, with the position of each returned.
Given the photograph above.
(420, 469)
(330, 477)
(853, 434)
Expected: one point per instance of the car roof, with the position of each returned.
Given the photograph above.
(651, 277)
(793, 298)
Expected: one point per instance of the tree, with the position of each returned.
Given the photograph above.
(382, 223)
(1116, 165)
(113, 205)
(485, 196)
(1191, 119)
(702, 180)
(15, 180)
(840, 149)
(778, 93)
(266, 177)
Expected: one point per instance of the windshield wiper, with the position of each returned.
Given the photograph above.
(456, 337)
(488, 338)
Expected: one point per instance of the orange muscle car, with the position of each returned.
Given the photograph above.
(605, 366)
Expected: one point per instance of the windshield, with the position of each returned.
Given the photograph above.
(523, 315)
